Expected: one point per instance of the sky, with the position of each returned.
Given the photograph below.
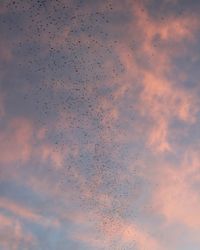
(99, 125)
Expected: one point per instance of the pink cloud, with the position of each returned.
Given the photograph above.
(176, 197)
(15, 141)
(26, 213)
(13, 234)
(160, 99)
(114, 232)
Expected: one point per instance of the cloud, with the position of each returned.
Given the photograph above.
(13, 235)
(161, 100)
(2, 108)
(25, 213)
(15, 141)
(176, 195)
(49, 152)
(115, 233)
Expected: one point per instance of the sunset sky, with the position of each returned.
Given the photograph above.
(99, 125)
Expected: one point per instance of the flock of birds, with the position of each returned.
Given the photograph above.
(61, 51)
